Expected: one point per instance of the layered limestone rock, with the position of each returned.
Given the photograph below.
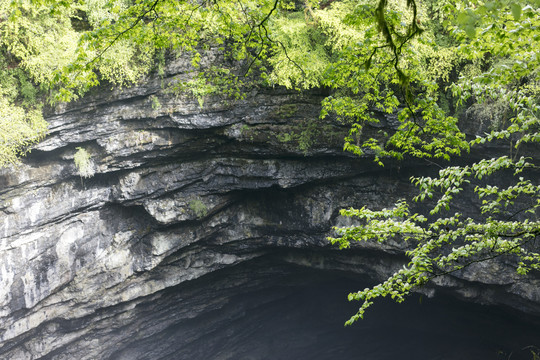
(89, 266)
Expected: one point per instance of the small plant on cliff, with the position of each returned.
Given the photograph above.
(84, 163)
(198, 207)
(305, 135)
(156, 104)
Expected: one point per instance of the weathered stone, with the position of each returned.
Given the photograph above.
(180, 192)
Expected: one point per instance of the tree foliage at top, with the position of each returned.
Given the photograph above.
(426, 63)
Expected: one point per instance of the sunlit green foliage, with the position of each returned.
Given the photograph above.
(303, 64)
(19, 128)
(497, 48)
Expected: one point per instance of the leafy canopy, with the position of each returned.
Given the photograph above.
(497, 47)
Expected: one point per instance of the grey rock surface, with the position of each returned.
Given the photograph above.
(88, 265)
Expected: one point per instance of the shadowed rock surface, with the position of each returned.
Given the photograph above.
(160, 254)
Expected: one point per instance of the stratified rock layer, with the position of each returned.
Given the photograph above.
(90, 267)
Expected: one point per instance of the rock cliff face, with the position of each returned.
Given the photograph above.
(104, 267)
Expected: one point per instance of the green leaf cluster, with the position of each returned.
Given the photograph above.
(500, 40)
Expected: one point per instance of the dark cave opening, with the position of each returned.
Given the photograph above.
(268, 309)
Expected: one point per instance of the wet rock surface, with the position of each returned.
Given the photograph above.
(147, 258)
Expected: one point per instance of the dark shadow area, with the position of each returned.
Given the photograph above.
(269, 310)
